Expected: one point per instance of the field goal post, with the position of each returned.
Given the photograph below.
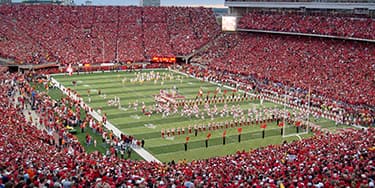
(305, 121)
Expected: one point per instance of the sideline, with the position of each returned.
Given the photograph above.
(140, 151)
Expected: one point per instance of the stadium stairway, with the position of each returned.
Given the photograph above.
(29, 114)
(204, 47)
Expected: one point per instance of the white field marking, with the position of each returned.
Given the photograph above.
(93, 90)
(150, 126)
(79, 81)
(86, 85)
(123, 109)
(190, 83)
(299, 137)
(135, 117)
(169, 138)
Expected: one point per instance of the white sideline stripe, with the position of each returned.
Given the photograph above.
(360, 127)
(296, 134)
(299, 137)
(140, 151)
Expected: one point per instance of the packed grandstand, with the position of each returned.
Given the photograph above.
(337, 74)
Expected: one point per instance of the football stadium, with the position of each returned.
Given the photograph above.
(251, 93)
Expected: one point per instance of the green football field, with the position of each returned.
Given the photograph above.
(134, 122)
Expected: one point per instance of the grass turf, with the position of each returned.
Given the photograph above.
(135, 123)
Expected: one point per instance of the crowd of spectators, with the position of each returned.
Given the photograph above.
(15, 44)
(30, 157)
(217, 49)
(313, 1)
(97, 34)
(342, 26)
(338, 73)
(341, 71)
